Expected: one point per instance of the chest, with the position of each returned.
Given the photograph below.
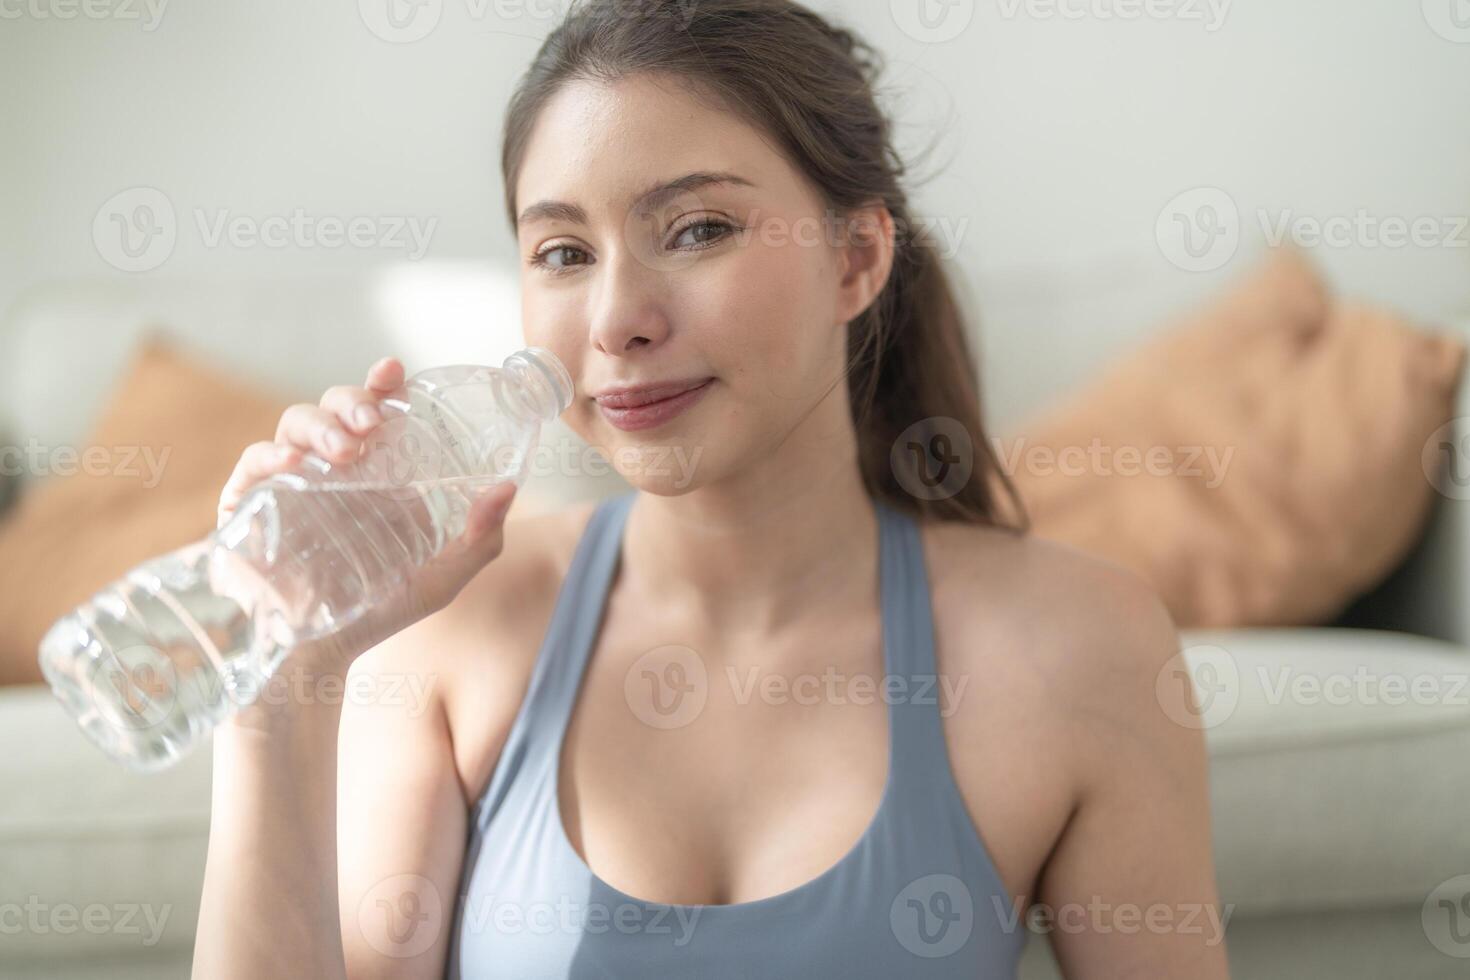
(710, 769)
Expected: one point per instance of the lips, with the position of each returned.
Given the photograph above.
(646, 406)
(633, 397)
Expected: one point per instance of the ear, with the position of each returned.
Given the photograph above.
(866, 258)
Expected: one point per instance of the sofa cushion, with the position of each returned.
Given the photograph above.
(147, 482)
(1261, 463)
(82, 836)
(1338, 764)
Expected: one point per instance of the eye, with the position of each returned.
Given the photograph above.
(702, 234)
(559, 258)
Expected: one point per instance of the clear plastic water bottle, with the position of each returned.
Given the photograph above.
(158, 658)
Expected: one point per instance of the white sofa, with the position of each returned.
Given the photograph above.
(1339, 824)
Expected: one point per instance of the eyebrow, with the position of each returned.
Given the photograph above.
(649, 200)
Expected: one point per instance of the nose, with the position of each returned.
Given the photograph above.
(627, 306)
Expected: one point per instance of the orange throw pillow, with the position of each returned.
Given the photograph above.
(148, 483)
(1260, 463)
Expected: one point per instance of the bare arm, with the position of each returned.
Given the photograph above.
(1129, 891)
(338, 823)
(403, 814)
(269, 906)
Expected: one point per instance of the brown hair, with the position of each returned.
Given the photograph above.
(810, 86)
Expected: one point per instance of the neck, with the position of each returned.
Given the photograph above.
(750, 552)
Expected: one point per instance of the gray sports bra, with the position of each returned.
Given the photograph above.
(917, 896)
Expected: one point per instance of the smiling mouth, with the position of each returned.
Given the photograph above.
(651, 407)
(633, 397)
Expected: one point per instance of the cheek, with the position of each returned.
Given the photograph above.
(767, 314)
(543, 322)
(553, 321)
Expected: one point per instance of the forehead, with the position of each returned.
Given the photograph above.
(600, 143)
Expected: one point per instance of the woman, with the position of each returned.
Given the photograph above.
(811, 706)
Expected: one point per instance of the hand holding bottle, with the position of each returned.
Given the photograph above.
(369, 511)
(337, 430)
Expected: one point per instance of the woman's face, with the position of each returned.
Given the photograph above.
(666, 242)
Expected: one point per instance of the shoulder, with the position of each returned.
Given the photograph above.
(1071, 640)
(1075, 610)
(471, 661)
(523, 580)
(505, 595)
(499, 618)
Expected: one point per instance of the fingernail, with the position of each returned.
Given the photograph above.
(365, 416)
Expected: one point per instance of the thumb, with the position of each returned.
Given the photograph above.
(486, 516)
(477, 545)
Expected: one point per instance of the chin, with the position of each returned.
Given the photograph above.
(668, 466)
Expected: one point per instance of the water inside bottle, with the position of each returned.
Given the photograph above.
(159, 658)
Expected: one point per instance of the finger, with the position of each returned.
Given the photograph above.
(314, 429)
(357, 408)
(258, 461)
(385, 375)
(487, 514)
(482, 541)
